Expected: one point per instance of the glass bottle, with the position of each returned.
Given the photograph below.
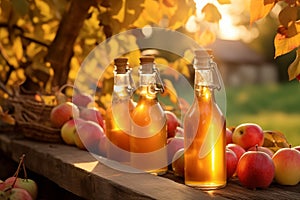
(149, 130)
(204, 129)
(117, 119)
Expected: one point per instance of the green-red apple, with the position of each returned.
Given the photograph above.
(248, 135)
(68, 131)
(16, 194)
(27, 184)
(287, 166)
(62, 113)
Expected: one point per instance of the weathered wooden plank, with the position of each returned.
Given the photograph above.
(80, 173)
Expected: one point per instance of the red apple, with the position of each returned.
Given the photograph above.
(27, 184)
(231, 163)
(287, 166)
(228, 136)
(263, 149)
(255, 170)
(16, 194)
(92, 114)
(173, 145)
(178, 163)
(88, 135)
(172, 123)
(62, 113)
(248, 135)
(237, 149)
(82, 99)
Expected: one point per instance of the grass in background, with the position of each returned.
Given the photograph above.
(273, 107)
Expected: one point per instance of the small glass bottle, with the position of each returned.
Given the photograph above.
(117, 118)
(204, 129)
(149, 130)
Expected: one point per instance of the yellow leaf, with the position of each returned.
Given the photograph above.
(44, 9)
(224, 1)
(260, 9)
(294, 68)
(17, 48)
(284, 45)
(206, 37)
(133, 58)
(211, 13)
(184, 10)
(151, 14)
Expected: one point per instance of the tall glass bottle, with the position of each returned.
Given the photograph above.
(117, 119)
(204, 129)
(149, 131)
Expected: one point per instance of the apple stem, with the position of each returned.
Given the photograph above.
(290, 145)
(18, 169)
(256, 147)
(24, 170)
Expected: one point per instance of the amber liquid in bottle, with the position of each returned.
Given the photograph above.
(118, 131)
(204, 134)
(117, 118)
(149, 131)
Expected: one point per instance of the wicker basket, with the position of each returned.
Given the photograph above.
(33, 118)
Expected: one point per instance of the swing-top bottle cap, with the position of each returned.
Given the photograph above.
(147, 64)
(121, 65)
(202, 53)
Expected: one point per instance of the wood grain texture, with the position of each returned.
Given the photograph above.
(82, 174)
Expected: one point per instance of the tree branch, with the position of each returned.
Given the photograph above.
(61, 50)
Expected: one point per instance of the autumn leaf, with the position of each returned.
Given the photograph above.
(294, 68)
(288, 15)
(205, 37)
(224, 2)
(183, 10)
(211, 13)
(259, 9)
(285, 44)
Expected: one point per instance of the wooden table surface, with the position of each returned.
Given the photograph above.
(82, 174)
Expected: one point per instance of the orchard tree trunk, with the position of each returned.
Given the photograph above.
(61, 50)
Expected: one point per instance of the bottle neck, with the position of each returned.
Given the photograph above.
(122, 86)
(204, 83)
(205, 73)
(204, 93)
(147, 86)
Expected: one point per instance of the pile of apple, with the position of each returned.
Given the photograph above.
(80, 125)
(18, 188)
(256, 165)
(247, 158)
